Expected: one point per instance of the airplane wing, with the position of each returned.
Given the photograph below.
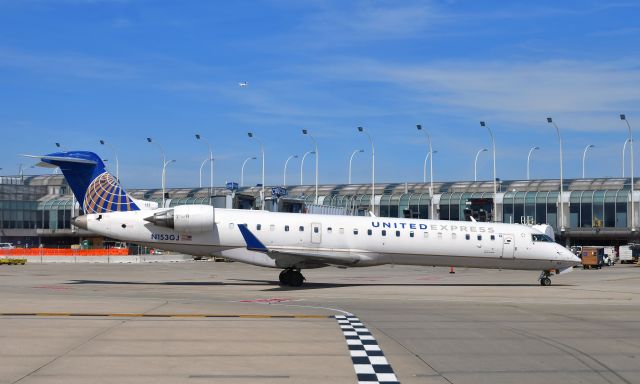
(294, 255)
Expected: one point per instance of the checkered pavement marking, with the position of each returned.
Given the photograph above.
(369, 362)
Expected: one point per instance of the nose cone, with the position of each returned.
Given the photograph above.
(80, 221)
(571, 258)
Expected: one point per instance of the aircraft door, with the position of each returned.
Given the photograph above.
(508, 246)
(316, 233)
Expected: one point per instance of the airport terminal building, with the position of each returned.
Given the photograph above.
(37, 210)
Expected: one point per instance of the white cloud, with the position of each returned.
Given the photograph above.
(582, 91)
(70, 64)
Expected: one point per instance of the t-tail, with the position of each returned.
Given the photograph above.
(96, 190)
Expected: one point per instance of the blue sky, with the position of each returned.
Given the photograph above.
(76, 71)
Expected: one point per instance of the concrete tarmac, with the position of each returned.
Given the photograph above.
(84, 323)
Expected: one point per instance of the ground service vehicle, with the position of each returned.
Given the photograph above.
(592, 257)
(628, 254)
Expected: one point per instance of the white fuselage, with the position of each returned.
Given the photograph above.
(310, 241)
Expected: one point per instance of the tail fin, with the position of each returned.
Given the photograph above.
(96, 190)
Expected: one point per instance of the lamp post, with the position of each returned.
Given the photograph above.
(164, 166)
(584, 156)
(550, 121)
(284, 181)
(116, 156)
(164, 178)
(302, 165)
(495, 186)
(475, 164)
(430, 148)
(199, 137)
(315, 143)
(529, 160)
(624, 149)
(242, 170)
(624, 118)
(373, 169)
(351, 160)
(424, 166)
(262, 197)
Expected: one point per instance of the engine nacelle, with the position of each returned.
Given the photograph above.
(186, 218)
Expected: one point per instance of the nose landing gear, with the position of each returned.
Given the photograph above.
(291, 277)
(545, 278)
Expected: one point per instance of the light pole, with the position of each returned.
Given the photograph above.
(164, 166)
(164, 178)
(424, 166)
(430, 167)
(116, 156)
(302, 165)
(262, 197)
(550, 121)
(475, 164)
(529, 160)
(199, 137)
(584, 156)
(495, 186)
(624, 118)
(624, 149)
(242, 170)
(284, 180)
(315, 143)
(373, 170)
(351, 160)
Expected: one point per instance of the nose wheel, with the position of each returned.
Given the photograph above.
(291, 277)
(545, 278)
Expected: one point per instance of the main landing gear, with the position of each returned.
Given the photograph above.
(545, 278)
(291, 277)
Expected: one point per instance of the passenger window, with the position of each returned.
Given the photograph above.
(397, 233)
(258, 227)
(493, 237)
(479, 237)
(230, 225)
(384, 232)
(316, 229)
(426, 235)
(439, 235)
(453, 236)
(329, 230)
(411, 234)
(369, 232)
(272, 227)
(467, 236)
(286, 228)
(342, 231)
(355, 231)
(301, 228)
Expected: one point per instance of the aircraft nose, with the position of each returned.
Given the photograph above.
(80, 221)
(572, 257)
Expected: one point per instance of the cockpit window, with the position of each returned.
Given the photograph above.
(541, 238)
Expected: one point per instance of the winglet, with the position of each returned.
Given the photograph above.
(253, 244)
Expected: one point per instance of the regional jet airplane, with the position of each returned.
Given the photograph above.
(293, 242)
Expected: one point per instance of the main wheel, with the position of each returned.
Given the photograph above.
(545, 281)
(295, 279)
(284, 277)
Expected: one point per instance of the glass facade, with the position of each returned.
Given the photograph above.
(42, 205)
(18, 204)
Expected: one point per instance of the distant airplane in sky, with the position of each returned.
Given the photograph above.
(243, 84)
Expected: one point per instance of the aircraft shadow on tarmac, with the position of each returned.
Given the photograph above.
(273, 285)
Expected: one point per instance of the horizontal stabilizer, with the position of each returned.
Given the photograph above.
(60, 158)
